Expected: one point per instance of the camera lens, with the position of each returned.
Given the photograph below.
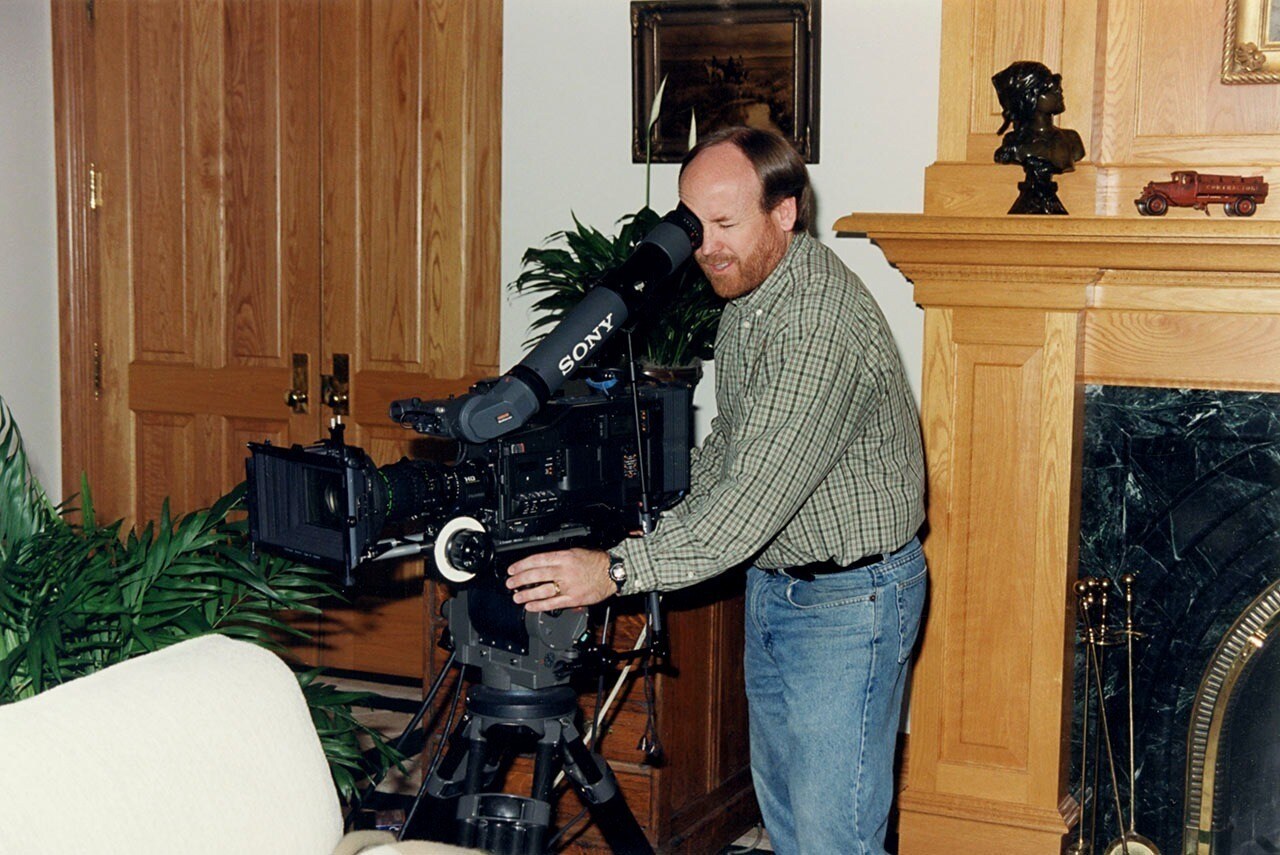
(327, 503)
(331, 497)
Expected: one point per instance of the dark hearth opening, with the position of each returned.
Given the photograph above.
(1179, 488)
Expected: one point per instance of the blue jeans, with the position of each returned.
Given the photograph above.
(825, 666)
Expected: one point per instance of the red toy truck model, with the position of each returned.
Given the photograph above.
(1239, 196)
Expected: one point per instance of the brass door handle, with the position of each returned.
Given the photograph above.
(335, 388)
(297, 397)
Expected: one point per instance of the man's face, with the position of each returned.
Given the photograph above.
(741, 244)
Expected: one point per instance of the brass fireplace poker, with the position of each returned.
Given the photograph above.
(1093, 602)
(1097, 635)
(1130, 841)
(1081, 846)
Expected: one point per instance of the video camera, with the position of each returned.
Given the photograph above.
(571, 477)
(536, 471)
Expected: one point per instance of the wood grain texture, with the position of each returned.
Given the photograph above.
(1142, 86)
(1019, 313)
(79, 327)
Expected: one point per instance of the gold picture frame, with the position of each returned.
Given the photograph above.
(1251, 46)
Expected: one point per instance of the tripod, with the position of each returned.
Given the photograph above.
(495, 722)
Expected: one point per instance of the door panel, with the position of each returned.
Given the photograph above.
(286, 177)
(404, 185)
(212, 282)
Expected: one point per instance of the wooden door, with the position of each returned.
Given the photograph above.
(277, 186)
(208, 240)
(409, 276)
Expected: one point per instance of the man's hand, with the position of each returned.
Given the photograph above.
(561, 580)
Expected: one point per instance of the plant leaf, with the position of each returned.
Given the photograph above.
(656, 107)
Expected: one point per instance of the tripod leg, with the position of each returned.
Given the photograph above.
(433, 815)
(598, 786)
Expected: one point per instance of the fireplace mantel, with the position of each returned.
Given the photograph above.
(1020, 313)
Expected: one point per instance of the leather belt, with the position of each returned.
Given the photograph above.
(807, 572)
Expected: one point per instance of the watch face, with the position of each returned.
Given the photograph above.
(617, 571)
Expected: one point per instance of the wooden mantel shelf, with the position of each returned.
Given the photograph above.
(1186, 264)
(1198, 242)
(1019, 312)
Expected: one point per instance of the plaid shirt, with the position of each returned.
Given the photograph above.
(815, 452)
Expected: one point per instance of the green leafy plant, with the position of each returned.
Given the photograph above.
(574, 260)
(678, 335)
(76, 597)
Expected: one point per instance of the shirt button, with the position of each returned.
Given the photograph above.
(746, 325)
(759, 312)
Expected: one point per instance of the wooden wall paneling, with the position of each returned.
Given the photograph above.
(980, 37)
(955, 95)
(1183, 350)
(938, 429)
(1182, 111)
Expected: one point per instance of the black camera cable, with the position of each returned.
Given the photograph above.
(401, 741)
(429, 769)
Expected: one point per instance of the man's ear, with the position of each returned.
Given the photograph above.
(784, 214)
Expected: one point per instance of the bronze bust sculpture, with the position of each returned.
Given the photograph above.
(1030, 96)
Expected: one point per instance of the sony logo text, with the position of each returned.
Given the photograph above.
(580, 350)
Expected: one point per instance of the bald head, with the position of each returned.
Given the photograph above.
(742, 240)
(777, 165)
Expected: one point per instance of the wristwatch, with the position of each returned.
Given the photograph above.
(617, 571)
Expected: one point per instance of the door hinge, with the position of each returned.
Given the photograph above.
(97, 371)
(95, 187)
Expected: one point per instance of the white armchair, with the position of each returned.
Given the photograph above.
(203, 747)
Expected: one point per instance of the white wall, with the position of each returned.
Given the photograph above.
(567, 130)
(29, 379)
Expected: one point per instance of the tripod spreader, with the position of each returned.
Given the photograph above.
(507, 824)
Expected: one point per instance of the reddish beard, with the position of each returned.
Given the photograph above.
(744, 274)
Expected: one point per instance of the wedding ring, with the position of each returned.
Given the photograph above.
(555, 585)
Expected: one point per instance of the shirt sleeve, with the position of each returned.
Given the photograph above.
(802, 408)
(706, 461)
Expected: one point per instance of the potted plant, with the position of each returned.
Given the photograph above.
(76, 597)
(678, 335)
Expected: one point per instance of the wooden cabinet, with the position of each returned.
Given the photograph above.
(282, 190)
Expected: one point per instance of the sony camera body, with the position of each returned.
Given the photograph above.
(573, 475)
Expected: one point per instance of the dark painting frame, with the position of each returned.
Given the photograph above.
(751, 62)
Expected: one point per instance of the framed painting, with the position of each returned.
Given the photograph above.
(750, 62)
(1251, 48)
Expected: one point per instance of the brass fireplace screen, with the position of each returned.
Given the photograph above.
(1233, 756)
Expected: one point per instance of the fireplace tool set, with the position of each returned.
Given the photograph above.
(1093, 596)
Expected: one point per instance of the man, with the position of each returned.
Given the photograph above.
(812, 473)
